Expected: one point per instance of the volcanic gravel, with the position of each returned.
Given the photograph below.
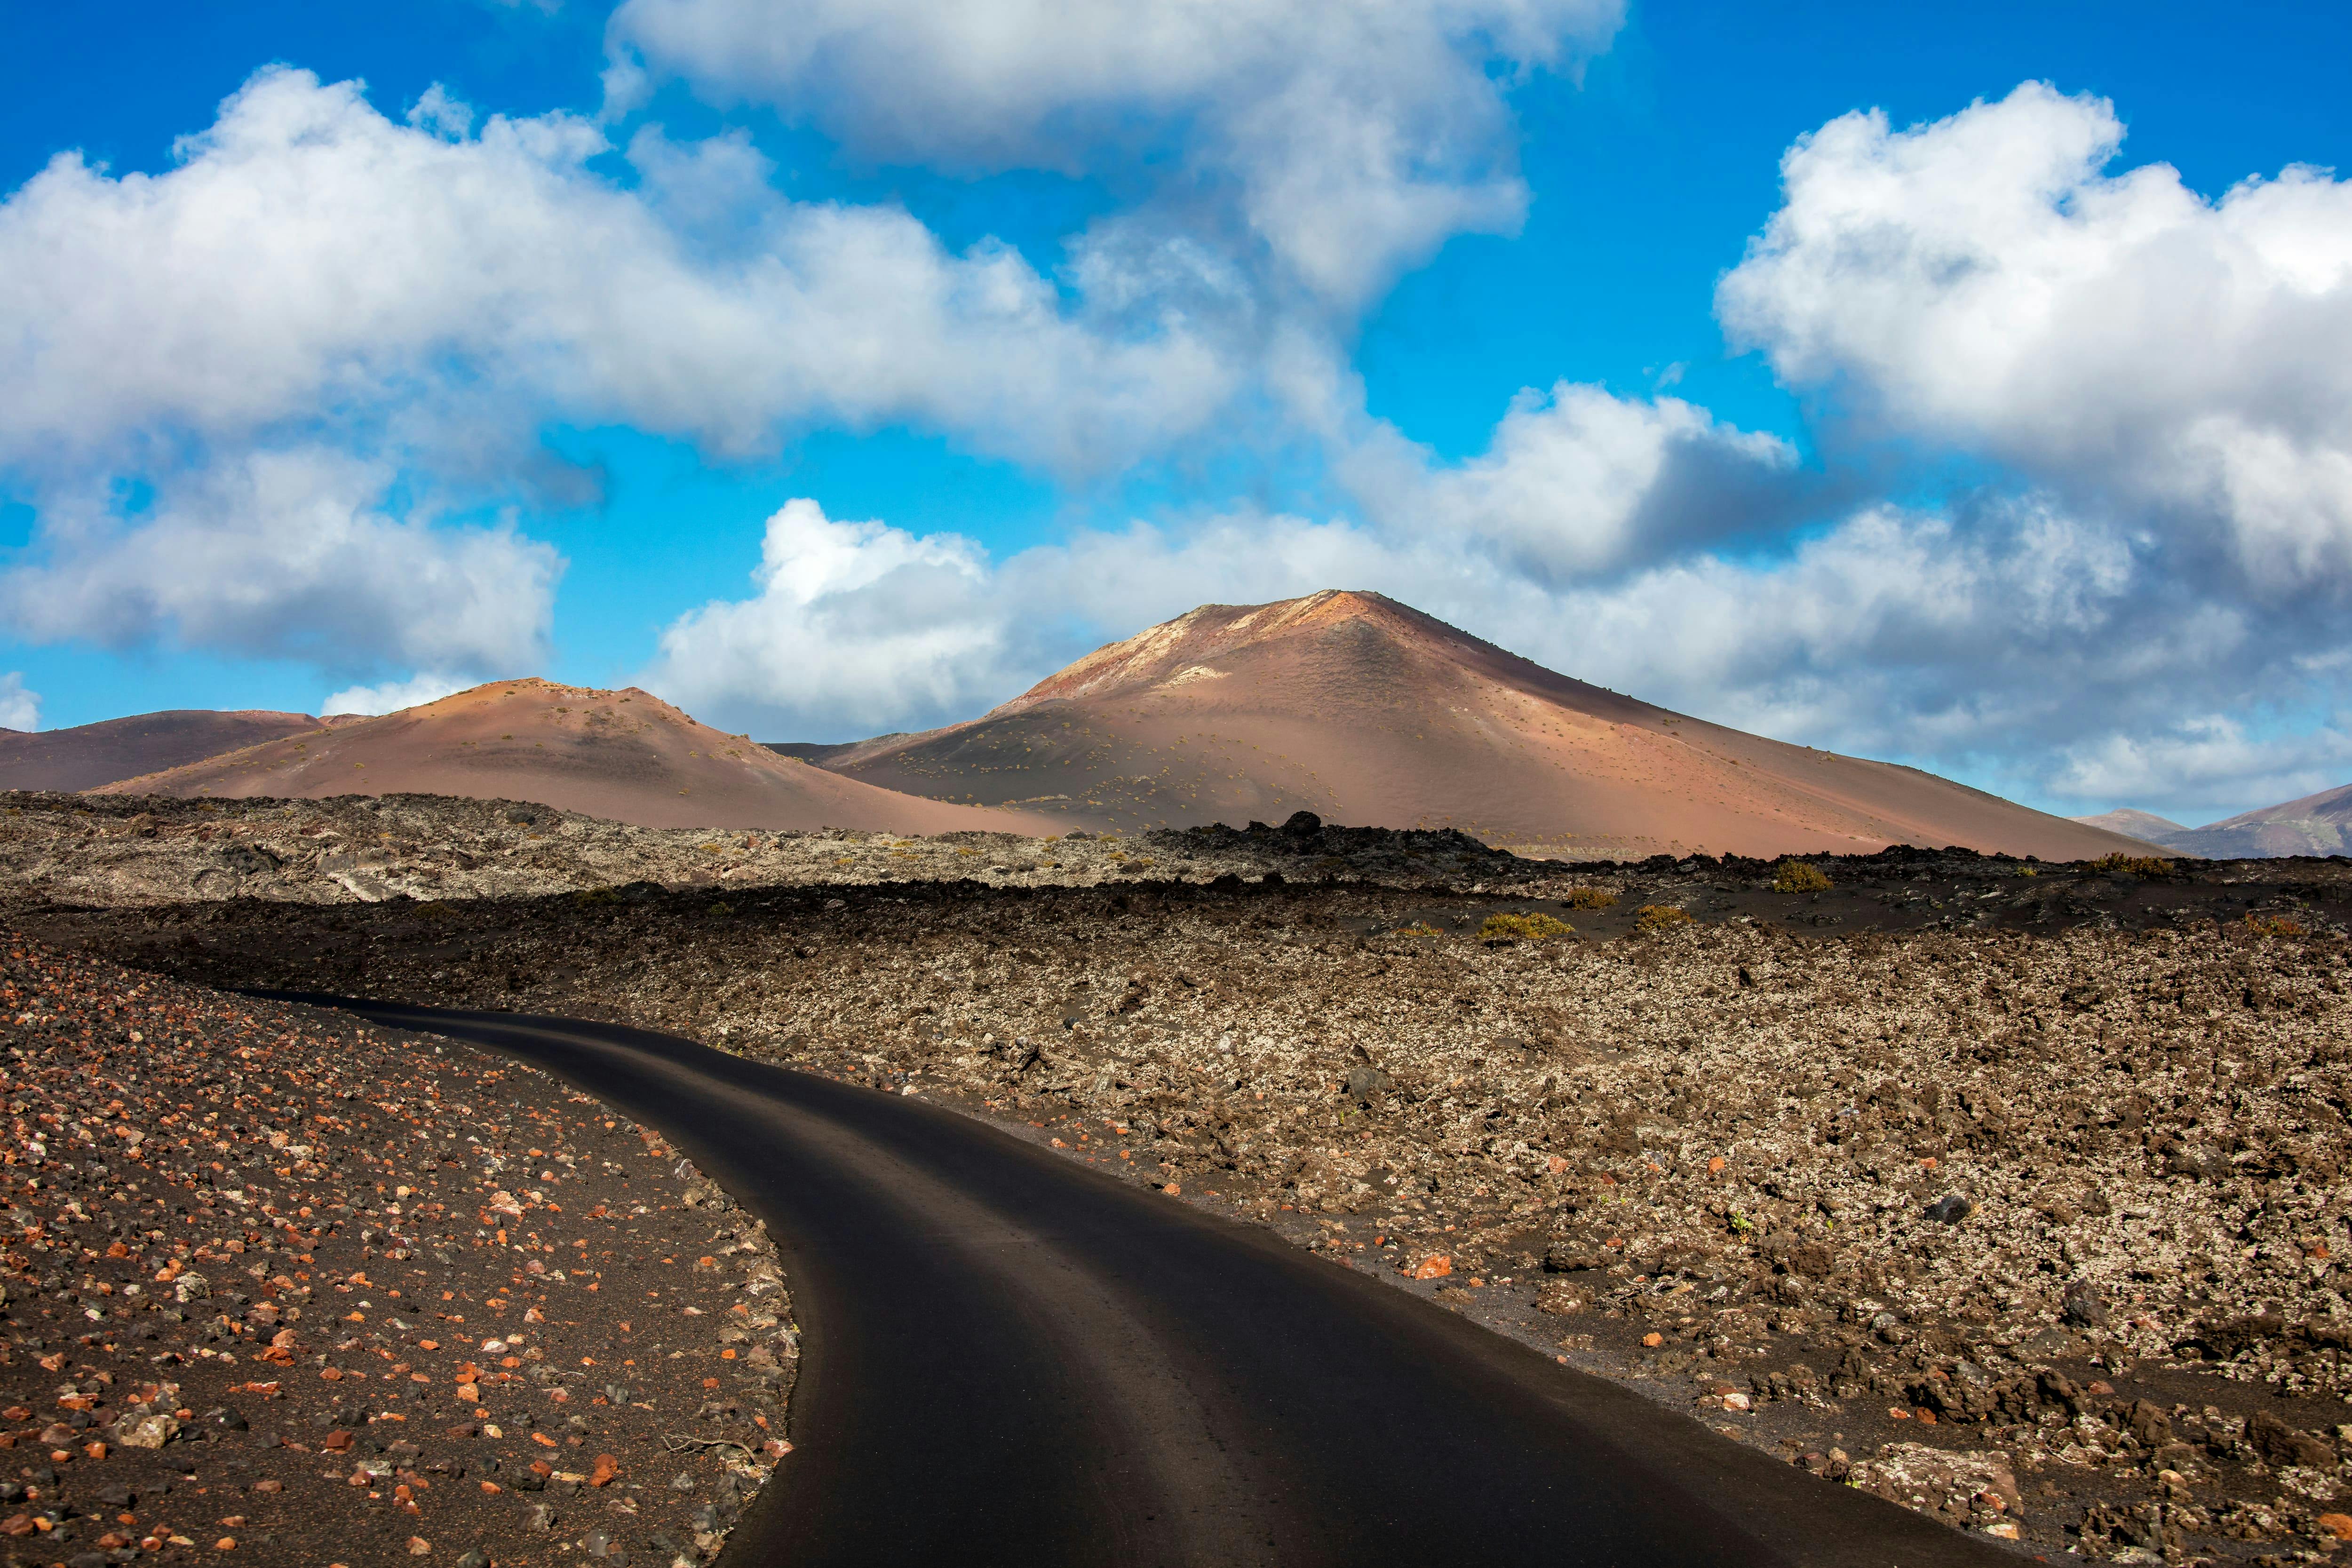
(284, 1288)
(139, 849)
(2011, 1191)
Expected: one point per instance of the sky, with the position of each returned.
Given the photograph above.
(1968, 388)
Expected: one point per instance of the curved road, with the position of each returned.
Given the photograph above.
(1010, 1357)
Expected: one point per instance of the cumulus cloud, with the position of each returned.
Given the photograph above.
(318, 304)
(2215, 762)
(849, 621)
(311, 261)
(284, 554)
(19, 708)
(1983, 283)
(1580, 482)
(1345, 140)
(392, 696)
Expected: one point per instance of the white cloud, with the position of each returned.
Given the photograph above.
(851, 621)
(1582, 482)
(320, 306)
(1980, 282)
(286, 555)
(311, 261)
(392, 696)
(19, 708)
(1347, 140)
(2211, 761)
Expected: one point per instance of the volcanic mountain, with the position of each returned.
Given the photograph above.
(2317, 825)
(91, 755)
(625, 756)
(1369, 713)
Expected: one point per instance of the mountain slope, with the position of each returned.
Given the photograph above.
(625, 756)
(1368, 712)
(2317, 825)
(89, 755)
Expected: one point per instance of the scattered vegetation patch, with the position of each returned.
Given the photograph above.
(1800, 877)
(2133, 865)
(1660, 917)
(1418, 928)
(2274, 925)
(1534, 926)
(1589, 898)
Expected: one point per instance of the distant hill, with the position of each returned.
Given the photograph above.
(89, 755)
(625, 756)
(2317, 825)
(2159, 831)
(1371, 714)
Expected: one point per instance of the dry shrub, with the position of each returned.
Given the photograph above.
(1800, 877)
(1532, 926)
(2272, 925)
(1589, 898)
(2133, 865)
(1660, 917)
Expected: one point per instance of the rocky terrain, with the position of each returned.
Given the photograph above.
(121, 850)
(2011, 1191)
(286, 1289)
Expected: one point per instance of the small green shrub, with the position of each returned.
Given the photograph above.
(1418, 928)
(1589, 898)
(2272, 925)
(1655, 918)
(1531, 927)
(1800, 877)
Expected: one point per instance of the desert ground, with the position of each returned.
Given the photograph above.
(2008, 1190)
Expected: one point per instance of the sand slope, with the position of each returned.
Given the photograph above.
(625, 756)
(1370, 714)
(91, 755)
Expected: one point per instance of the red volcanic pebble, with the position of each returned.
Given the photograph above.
(336, 1293)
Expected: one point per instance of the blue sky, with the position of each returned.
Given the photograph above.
(831, 375)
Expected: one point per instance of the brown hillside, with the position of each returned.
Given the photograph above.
(1370, 714)
(89, 755)
(2316, 825)
(625, 756)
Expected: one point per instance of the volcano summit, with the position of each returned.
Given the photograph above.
(1368, 712)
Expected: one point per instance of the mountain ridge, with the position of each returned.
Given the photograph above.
(2319, 824)
(1369, 712)
(624, 756)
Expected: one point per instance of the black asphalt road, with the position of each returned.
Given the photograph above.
(1010, 1358)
